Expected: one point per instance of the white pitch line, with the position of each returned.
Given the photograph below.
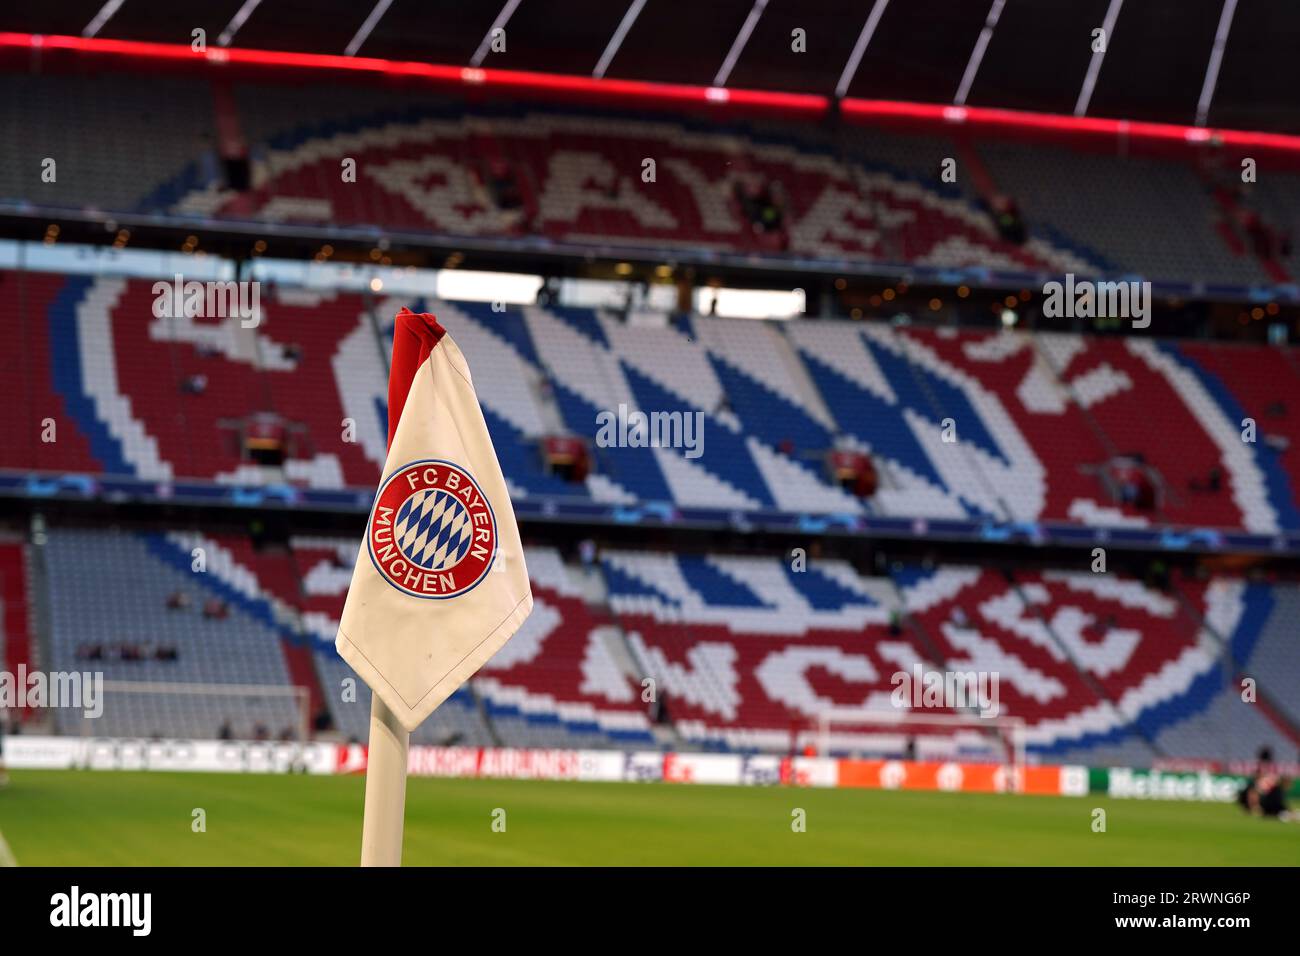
(6, 854)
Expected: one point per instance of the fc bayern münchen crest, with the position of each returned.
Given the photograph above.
(432, 532)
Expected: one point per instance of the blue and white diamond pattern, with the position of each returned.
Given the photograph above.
(433, 529)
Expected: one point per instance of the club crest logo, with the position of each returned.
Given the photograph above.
(432, 532)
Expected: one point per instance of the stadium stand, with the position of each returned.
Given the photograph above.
(748, 653)
(1223, 724)
(109, 604)
(859, 194)
(1182, 242)
(745, 651)
(108, 157)
(1048, 426)
(1273, 656)
(16, 643)
(999, 426)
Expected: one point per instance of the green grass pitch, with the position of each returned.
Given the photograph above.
(58, 818)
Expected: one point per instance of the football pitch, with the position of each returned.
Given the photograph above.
(80, 818)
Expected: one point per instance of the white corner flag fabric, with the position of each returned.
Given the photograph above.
(440, 582)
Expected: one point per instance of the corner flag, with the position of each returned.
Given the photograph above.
(440, 582)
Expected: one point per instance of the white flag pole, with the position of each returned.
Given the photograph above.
(384, 817)
(385, 813)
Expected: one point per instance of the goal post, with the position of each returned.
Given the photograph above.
(197, 711)
(906, 734)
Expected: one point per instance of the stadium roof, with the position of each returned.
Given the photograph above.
(1205, 62)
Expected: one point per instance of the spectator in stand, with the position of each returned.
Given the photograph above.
(1007, 219)
(215, 609)
(503, 183)
(225, 732)
(178, 600)
(1157, 576)
(771, 214)
(322, 722)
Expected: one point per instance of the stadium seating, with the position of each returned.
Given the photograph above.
(109, 155)
(1261, 649)
(1061, 187)
(743, 653)
(861, 193)
(1037, 421)
(110, 589)
(1273, 659)
(15, 612)
(750, 651)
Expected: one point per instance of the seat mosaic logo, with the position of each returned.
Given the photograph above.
(432, 533)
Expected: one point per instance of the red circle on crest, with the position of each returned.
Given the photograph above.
(432, 532)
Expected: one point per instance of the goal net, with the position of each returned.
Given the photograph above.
(172, 710)
(908, 735)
